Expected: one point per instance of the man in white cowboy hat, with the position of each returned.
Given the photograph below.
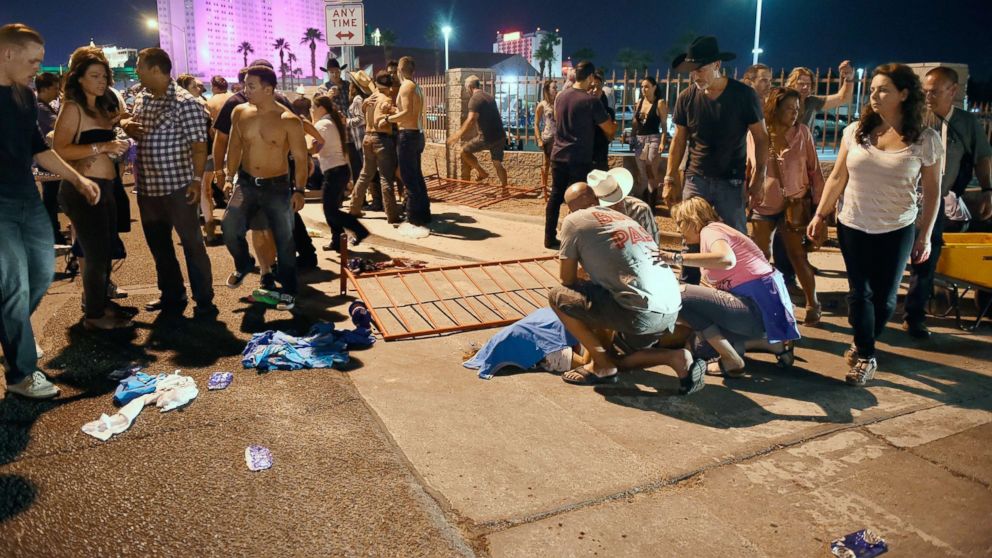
(613, 190)
(626, 292)
(713, 117)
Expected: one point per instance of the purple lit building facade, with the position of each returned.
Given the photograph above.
(203, 36)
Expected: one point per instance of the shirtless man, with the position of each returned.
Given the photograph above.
(409, 117)
(262, 135)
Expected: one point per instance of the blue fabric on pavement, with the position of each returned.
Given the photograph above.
(522, 344)
(322, 347)
(134, 386)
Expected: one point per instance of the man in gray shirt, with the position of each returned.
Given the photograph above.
(626, 291)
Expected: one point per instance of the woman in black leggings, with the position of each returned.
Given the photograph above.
(334, 163)
(84, 136)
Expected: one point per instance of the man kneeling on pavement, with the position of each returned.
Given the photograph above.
(626, 292)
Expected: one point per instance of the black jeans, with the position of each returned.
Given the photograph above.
(50, 196)
(410, 147)
(96, 231)
(332, 193)
(921, 275)
(160, 215)
(875, 264)
(563, 175)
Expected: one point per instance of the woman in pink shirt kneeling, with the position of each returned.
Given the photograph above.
(748, 305)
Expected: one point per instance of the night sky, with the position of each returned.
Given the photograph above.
(797, 32)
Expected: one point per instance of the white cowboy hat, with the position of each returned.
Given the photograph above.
(611, 186)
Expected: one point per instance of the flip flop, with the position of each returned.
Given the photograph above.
(736, 373)
(588, 378)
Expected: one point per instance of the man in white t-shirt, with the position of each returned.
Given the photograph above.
(626, 292)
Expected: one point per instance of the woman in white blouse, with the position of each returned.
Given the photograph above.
(882, 159)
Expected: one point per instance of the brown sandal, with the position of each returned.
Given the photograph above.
(813, 315)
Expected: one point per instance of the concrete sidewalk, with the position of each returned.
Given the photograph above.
(777, 463)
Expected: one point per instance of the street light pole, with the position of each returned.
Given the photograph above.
(446, 30)
(152, 23)
(757, 34)
(857, 101)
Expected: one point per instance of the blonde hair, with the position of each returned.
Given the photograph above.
(694, 211)
(796, 73)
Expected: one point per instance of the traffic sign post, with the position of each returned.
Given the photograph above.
(345, 24)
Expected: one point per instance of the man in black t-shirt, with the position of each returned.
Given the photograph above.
(579, 116)
(713, 116)
(482, 109)
(27, 257)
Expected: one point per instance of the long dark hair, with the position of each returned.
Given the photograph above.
(79, 63)
(327, 104)
(905, 79)
(654, 104)
(546, 89)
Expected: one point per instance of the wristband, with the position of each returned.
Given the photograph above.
(298, 191)
(96, 148)
(677, 258)
(668, 179)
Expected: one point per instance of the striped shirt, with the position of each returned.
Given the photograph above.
(880, 196)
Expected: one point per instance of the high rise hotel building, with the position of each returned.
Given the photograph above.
(204, 35)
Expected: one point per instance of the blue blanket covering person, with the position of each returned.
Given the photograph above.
(522, 344)
(322, 347)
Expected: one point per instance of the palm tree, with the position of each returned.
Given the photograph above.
(433, 36)
(310, 37)
(387, 38)
(282, 46)
(290, 58)
(630, 59)
(245, 49)
(545, 53)
(583, 54)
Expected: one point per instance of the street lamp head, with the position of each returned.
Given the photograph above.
(151, 23)
(446, 30)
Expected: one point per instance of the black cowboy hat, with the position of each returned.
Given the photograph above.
(702, 51)
(332, 63)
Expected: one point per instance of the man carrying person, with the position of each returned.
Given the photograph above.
(966, 146)
(168, 124)
(578, 115)
(378, 150)
(261, 237)
(27, 259)
(482, 110)
(713, 117)
(409, 117)
(626, 292)
(263, 134)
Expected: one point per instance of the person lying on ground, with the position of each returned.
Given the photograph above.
(625, 293)
(748, 306)
(537, 341)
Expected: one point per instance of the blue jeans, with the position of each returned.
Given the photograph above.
(276, 203)
(27, 263)
(410, 147)
(727, 198)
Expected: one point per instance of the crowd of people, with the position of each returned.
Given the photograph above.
(741, 152)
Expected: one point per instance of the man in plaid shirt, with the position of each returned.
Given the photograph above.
(170, 128)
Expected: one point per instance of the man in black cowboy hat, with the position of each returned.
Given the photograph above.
(333, 70)
(712, 117)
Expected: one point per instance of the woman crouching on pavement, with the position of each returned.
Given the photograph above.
(748, 306)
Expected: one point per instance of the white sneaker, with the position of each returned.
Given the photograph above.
(286, 302)
(35, 386)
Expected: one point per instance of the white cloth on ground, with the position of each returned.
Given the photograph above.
(171, 392)
(105, 427)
